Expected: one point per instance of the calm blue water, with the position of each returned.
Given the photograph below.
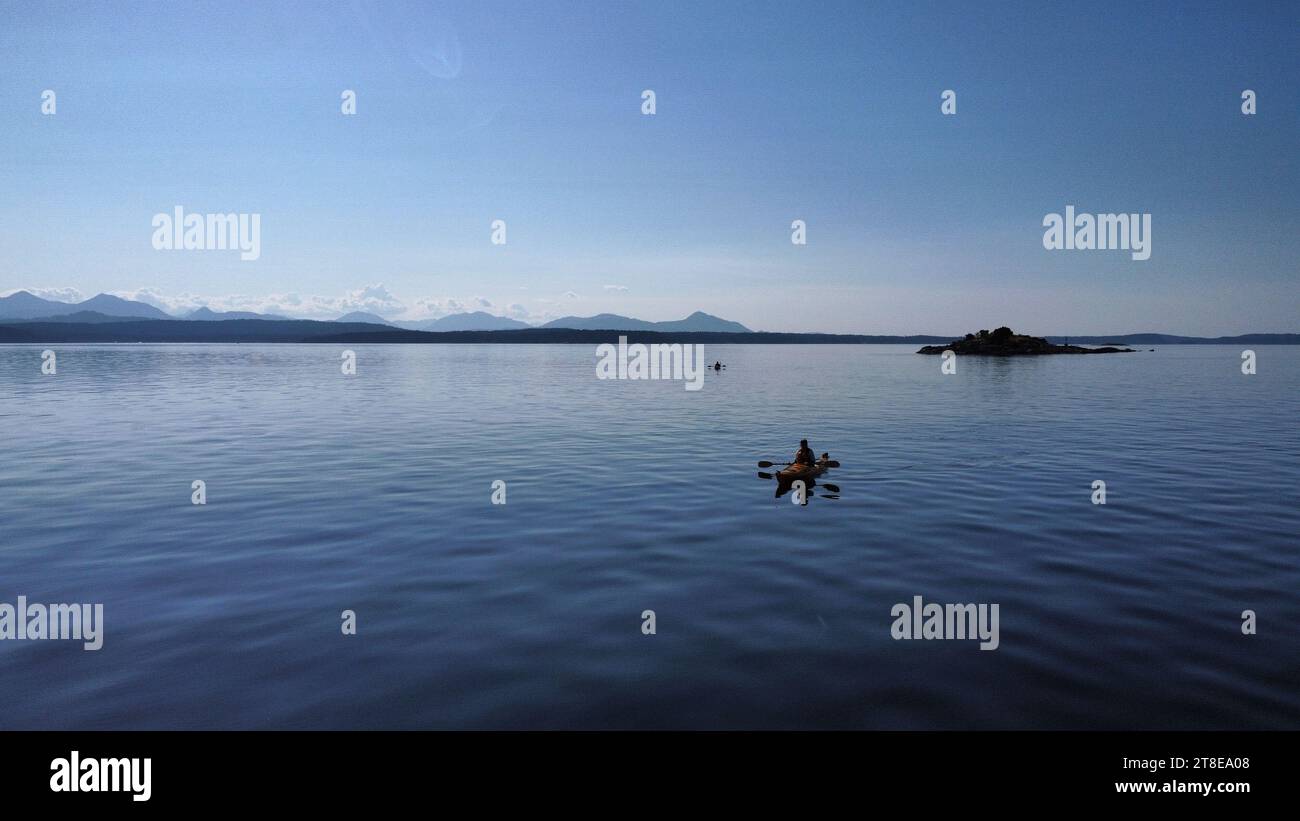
(372, 493)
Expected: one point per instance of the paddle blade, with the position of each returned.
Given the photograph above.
(831, 463)
(765, 464)
(830, 487)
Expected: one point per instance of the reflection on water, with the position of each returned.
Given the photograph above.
(803, 485)
(373, 494)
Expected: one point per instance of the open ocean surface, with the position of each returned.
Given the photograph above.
(372, 493)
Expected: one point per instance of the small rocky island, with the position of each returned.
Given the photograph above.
(1006, 342)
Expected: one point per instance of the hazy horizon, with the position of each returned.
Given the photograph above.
(954, 334)
(531, 113)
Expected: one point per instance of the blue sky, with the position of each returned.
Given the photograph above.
(766, 113)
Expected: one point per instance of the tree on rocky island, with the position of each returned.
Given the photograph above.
(1005, 342)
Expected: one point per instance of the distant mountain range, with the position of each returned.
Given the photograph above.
(482, 321)
(362, 316)
(25, 317)
(206, 314)
(90, 317)
(23, 305)
(474, 321)
(698, 321)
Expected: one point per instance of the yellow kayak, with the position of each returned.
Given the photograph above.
(805, 472)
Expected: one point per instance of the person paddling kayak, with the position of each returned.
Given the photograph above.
(804, 455)
(805, 468)
(717, 366)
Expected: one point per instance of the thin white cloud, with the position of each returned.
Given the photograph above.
(622, 289)
(55, 294)
(374, 299)
(180, 304)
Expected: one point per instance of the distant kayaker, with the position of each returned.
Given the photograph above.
(804, 455)
(717, 366)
